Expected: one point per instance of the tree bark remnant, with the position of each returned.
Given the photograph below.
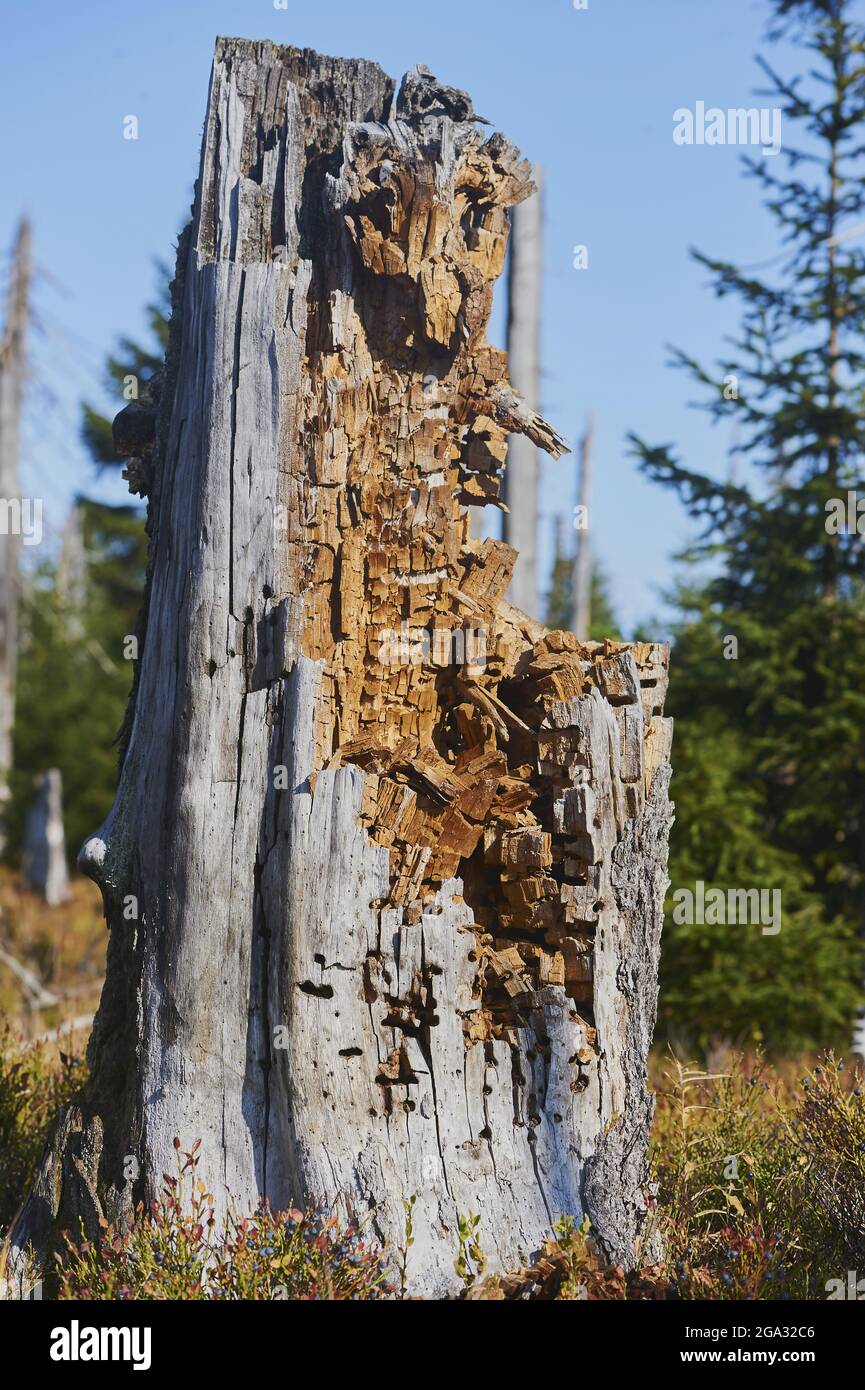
(385, 870)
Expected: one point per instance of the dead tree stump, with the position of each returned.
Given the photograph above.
(385, 870)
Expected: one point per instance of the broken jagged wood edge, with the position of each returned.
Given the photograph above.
(398, 918)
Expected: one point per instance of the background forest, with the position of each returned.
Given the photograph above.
(769, 634)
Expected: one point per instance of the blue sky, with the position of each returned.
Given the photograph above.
(589, 94)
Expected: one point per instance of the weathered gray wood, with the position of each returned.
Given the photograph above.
(520, 523)
(43, 850)
(380, 927)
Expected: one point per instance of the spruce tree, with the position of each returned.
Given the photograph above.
(767, 667)
(126, 371)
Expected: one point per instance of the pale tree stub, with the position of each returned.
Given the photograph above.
(397, 854)
(43, 849)
(522, 476)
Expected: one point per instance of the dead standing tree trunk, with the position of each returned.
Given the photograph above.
(582, 574)
(521, 484)
(398, 904)
(12, 373)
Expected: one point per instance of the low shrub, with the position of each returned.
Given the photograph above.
(171, 1252)
(760, 1183)
(34, 1087)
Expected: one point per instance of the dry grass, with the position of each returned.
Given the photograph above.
(64, 947)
